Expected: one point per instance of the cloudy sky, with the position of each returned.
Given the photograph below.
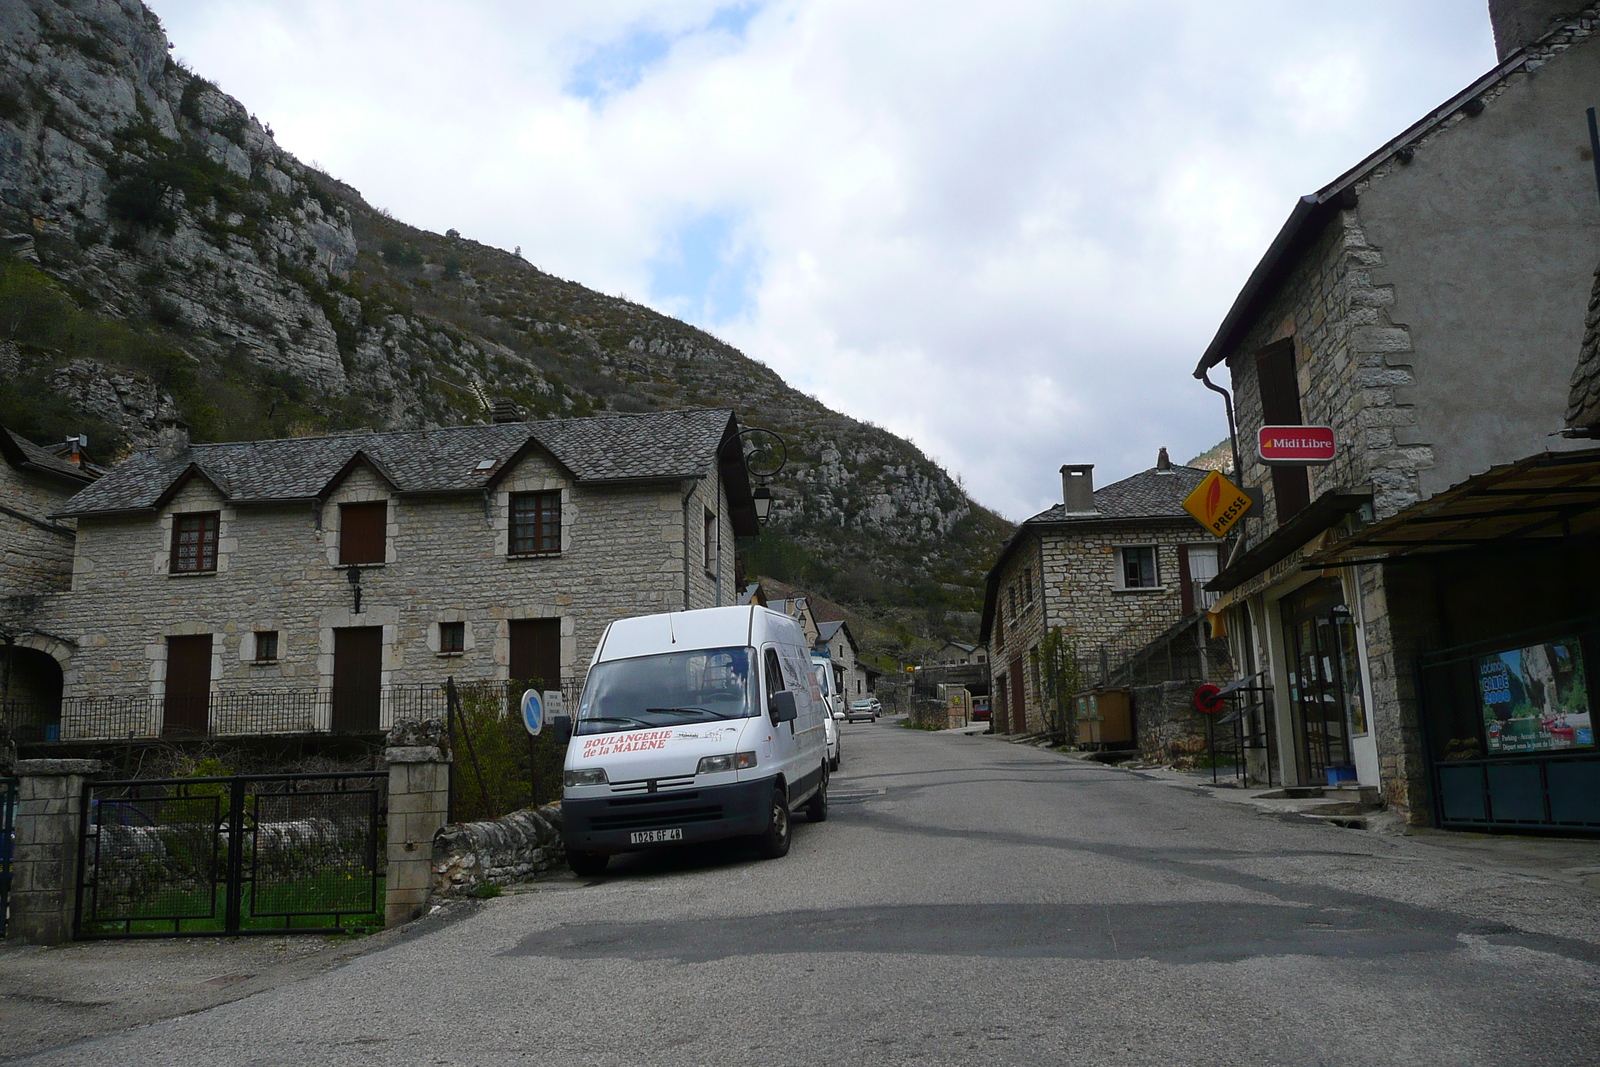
(1003, 230)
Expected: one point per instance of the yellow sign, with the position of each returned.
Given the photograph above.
(1217, 503)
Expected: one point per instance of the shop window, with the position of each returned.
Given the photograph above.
(536, 523)
(1137, 567)
(194, 543)
(363, 532)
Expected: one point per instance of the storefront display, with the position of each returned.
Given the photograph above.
(1535, 698)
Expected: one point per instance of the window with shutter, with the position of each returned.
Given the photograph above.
(1280, 406)
(363, 532)
(194, 543)
(535, 523)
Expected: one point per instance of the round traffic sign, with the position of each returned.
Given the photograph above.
(1208, 699)
(532, 711)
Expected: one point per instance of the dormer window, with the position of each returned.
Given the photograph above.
(194, 543)
(535, 523)
(363, 532)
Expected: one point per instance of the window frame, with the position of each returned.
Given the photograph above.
(347, 548)
(459, 645)
(1155, 567)
(265, 640)
(210, 522)
(547, 544)
(711, 539)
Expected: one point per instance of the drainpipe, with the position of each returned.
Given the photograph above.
(719, 534)
(1227, 403)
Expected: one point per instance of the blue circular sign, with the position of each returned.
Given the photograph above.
(532, 711)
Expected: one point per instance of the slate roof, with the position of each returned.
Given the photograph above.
(1583, 401)
(660, 446)
(1151, 494)
(25, 455)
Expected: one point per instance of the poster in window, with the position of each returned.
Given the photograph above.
(1535, 699)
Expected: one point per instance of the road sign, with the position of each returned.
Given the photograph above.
(1217, 503)
(1296, 446)
(1208, 699)
(552, 703)
(532, 711)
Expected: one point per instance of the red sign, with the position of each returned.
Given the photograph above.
(1208, 698)
(1295, 446)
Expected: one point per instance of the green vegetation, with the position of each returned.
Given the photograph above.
(492, 753)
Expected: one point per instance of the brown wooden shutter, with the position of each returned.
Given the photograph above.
(363, 532)
(536, 651)
(1280, 406)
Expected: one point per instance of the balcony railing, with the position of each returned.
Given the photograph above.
(239, 713)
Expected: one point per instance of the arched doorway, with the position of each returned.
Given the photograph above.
(30, 693)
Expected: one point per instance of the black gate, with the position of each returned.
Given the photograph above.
(8, 843)
(270, 853)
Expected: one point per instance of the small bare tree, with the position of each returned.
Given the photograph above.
(1061, 681)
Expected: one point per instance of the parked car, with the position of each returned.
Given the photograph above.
(866, 710)
(698, 711)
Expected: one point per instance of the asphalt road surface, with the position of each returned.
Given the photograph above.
(968, 901)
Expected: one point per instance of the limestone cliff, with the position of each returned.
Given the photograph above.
(168, 259)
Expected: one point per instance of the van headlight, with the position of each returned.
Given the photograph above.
(733, 761)
(585, 776)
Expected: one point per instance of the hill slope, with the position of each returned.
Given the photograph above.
(172, 261)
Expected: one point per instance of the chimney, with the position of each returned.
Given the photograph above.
(1518, 23)
(1163, 461)
(76, 447)
(172, 440)
(504, 410)
(1077, 488)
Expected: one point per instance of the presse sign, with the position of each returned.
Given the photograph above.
(1295, 446)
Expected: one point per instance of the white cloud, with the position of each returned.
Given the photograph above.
(1005, 231)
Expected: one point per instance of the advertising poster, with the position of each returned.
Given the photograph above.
(1535, 699)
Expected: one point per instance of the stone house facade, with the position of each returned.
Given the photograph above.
(835, 640)
(278, 586)
(1430, 318)
(35, 559)
(1112, 568)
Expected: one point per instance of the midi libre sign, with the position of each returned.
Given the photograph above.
(1296, 446)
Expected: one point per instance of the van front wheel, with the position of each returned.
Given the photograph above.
(817, 806)
(774, 842)
(587, 864)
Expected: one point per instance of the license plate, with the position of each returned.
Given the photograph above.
(651, 837)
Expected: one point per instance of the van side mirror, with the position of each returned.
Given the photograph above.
(782, 707)
(561, 726)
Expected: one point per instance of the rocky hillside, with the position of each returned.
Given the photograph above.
(168, 259)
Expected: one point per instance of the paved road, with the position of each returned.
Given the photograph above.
(970, 901)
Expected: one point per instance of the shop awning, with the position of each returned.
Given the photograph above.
(1542, 499)
(1289, 538)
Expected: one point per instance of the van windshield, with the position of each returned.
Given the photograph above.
(824, 676)
(670, 689)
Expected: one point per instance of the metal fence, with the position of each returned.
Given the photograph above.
(275, 853)
(8, 839)
(229, 713)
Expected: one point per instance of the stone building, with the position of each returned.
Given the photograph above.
(835, 641)
(35, 559)
(313, 584)
(959, 652)
(1426, 305)
(1113, 568)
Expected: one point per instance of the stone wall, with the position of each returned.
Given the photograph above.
(622, 554)
(35, 550)
(1166, 724)
(499, 852)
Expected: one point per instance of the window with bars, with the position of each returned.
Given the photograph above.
(452, 637)
(266, 646)
(363, 532)
(535, 523)
(194, 543)
(1027, 584)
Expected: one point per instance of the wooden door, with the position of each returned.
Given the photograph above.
(357, 678)
(536, 651)
(187, 705)
(1019, 706)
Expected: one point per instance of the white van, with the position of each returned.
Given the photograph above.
(822, 667)
(693, 726)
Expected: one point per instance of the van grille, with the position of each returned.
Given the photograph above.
(646, 817)
(642, 785)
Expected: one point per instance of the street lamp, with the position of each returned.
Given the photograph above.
(768, 455)
(763, 501)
